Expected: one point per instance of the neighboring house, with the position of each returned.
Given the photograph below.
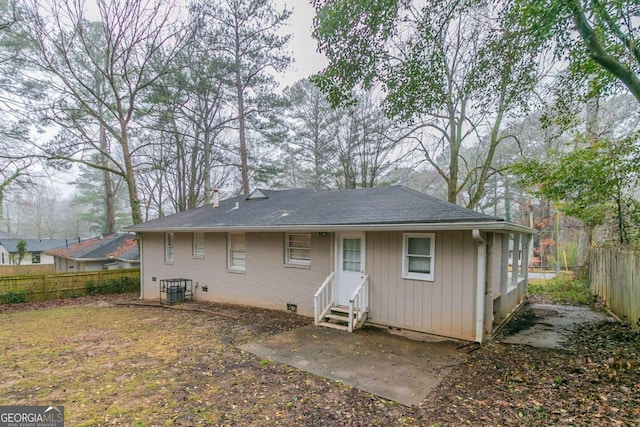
(391, 256)
(35, 251)
(99, 253)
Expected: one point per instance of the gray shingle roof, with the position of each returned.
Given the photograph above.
(309, 207)
(33, 245)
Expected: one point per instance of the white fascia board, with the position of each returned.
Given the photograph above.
(86, 259)
(446, 226)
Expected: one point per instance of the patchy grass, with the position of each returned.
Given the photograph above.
(145, 366)
(150, 366)
(563, 289)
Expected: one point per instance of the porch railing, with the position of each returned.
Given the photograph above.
(323, 298)
(359, 304)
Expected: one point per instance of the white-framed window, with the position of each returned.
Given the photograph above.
(297, 248)
(168, 247)
(198, 245)
(352, 255)
(418, 256)
(237, 248)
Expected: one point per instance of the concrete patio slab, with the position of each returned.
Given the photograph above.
(551, 325)
(370, 359)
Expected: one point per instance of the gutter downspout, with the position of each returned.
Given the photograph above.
(481, 265)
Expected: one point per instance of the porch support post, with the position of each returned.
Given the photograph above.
(515, 259)
(481, 266)
(504, 276)
(525, 262)
(488, 299)
(142, 276)
(514, 297)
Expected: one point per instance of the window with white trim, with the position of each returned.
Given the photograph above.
(297, 249)
(236, 244)
(418, 256)
(168, 247)
(198, 245)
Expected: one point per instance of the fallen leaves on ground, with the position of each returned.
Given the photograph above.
(151, 366)
(596, 383)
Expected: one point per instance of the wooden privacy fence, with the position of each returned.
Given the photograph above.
(26, 269)
(64, 285)
(614, 275)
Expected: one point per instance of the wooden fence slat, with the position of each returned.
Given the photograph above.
(61, 285)
(615, 277)
(26, 269)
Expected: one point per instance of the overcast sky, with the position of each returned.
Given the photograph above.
(307, 59)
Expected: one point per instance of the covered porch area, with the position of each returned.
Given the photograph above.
(507, 276)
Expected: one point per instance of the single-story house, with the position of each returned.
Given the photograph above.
(387, 256)
(35, 251)
(110, 252)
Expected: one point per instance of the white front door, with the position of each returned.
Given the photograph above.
(350, 268)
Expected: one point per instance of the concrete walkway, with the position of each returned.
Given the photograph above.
(550, 325)
(370, 359)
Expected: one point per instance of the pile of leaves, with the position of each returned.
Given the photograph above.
(598, 383)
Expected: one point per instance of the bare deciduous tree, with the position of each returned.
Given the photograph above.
(97, 73)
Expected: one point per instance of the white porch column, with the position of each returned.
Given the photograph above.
(515, 262)
(514, 297)
(504, 276)
(481, 268)
(525, 262)
(488, 299)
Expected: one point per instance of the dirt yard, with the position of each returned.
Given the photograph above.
(144, 366)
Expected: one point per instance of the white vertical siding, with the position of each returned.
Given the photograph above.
(445, 306)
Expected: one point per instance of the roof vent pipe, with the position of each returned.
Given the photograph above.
(215, 197)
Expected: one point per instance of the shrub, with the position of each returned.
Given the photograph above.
(563, 289)
(92, 288)
(12, 297)
(112, 286)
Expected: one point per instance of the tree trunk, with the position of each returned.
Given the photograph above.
(110, 199)
(207, 167)
(244, 167)
(452, 181)
(134, 201)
